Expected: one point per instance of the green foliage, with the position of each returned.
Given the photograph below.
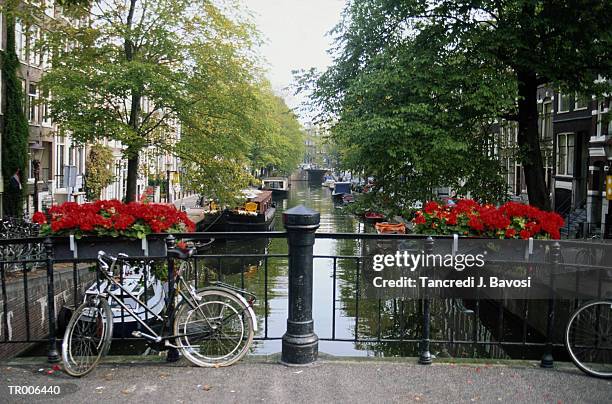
(281, 144)
(15, 131)
(98, 170)
(138, 71)
(416, 84)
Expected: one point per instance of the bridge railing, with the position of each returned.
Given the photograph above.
(423, 325)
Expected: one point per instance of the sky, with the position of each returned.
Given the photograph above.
(295, 36)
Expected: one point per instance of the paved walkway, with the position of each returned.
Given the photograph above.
(338, 381)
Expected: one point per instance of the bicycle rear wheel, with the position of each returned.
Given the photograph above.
(218, 332)
(87, 337)
(588, 338)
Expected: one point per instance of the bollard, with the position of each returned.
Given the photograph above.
(547, 358)
(52, 354)
(425, 357)
(173, 354)
(300, 343)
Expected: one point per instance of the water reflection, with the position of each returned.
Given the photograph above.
(398, 319)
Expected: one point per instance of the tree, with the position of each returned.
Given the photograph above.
(465, 54)
(98, 170)
(134, 70)
(15, 130)
(281, 147)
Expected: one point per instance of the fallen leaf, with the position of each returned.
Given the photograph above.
(206, 387)
(216, 366)
(56, 367)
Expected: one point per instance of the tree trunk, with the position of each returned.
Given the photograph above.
(529, 140)
(132, 178)
(132, 153)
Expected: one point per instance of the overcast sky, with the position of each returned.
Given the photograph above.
(295, 34)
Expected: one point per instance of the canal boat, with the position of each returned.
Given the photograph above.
(137, 279)
(341, 189)
(390, 228)
(374, 217)
(255, 214)
(328, 181)
(278, 185)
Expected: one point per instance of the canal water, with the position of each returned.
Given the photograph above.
(336, 312)
(394, 319)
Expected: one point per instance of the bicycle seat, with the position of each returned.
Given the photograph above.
(180, 254)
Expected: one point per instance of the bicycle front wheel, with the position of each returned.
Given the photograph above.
(87, 337)
(217, 332)
(588, 338)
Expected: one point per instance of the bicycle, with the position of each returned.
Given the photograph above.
(213, 326)
(588, 338)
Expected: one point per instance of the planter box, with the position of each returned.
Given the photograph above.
(88, 247)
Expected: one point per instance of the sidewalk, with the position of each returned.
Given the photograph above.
(338, 380)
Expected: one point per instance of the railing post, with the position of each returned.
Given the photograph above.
(300, 343)
(425, 357)
(547, 358)
(173, 354)
(52, 354)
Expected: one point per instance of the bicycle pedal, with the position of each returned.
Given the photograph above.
(136, 334)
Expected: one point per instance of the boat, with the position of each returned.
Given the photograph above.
(390, 228)
(328, 181)
(135, 277)
(341, 189)
(207, 215)
(348, 198)
(278, 185)
(374, 217)
(255, 214)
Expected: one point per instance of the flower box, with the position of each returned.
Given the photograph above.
(86, 248)
(81, 230)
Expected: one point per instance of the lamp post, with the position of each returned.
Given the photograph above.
(168, 171)
(37, 150)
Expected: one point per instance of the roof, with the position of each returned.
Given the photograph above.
(262, 196)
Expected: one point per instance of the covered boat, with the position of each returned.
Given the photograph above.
(141, 283)
(256, 214)
(278, 185)
(341, 189)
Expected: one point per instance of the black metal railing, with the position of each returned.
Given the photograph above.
(408, 326)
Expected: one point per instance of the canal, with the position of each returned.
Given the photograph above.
(393, 319)
(392, 326)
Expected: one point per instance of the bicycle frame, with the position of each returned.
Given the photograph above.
(189, 299)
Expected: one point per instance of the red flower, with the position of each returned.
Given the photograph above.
(524, 234)
(510, 233)
(39, 218)
(419, 219)
(431, 207)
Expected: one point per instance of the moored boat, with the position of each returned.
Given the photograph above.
(390, 228)
(278, 185)
(374, 217)
(341, 189)
(139, 281)
(256, 214)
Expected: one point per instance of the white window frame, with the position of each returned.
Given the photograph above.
(32, 106)
(1, 30)
(21, 41)
(586, 102)
(566, 136)
(559, 110)
(45, 117)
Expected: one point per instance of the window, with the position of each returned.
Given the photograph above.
(34, 54)
(565, 154)
(32, 103)
(564, 103)
(546, 121)
(582, 102)
(49, 8)
(1, 30)
(20, 40)
(46, 111)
